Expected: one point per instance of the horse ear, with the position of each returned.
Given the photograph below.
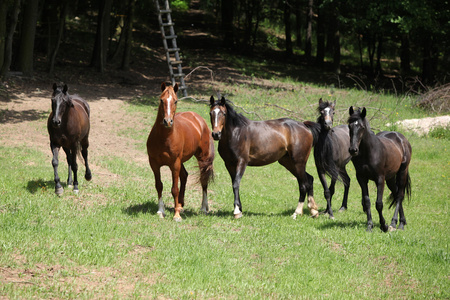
(55, 86)
(175, 88)
(350, 111)
(163, 86)
(211, 100)
(222, 101)
(320, 101)
(363, 113)
(334, 104)
(65, 88)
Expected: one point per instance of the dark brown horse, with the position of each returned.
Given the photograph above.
(243, 143)
(382, 157)
(68, 126)
(174, 139)
(331, 154)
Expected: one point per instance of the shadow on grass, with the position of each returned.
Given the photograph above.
(39, 184)
(148, 207)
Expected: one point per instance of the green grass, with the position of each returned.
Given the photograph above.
(107, 242)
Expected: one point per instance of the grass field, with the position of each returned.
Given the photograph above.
(108, 242)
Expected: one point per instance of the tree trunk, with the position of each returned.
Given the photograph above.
(308, 41)
(62, 22)
(320, 54)
(26, 48)
(227, 23)
(378, 69)
(3, 27)
(128, 36)
(336, 46)
(405, 55)
(101, 39)
(287, 28)
(9, 39)
(298, 24)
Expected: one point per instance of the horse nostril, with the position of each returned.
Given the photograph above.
(216, 135)
(353, 151)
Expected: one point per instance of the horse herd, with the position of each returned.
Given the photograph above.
(176, 137)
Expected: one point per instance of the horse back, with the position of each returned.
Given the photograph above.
(395, 141)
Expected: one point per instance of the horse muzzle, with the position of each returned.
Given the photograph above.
(216, 135)
(168, 123)
(56, 123)
(353, 151)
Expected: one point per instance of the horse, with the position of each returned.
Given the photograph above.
(381, 157)
(331, 154)
(243, 143)
(174, 139)
(68, 126)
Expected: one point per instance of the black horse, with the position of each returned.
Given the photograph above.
(68, 126)
(243, 143)
(382, 157)
(331, 154)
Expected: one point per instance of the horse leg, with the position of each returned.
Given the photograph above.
(400, 185)
(58, 188)
(366, 201)
(69, 167)
(84, 153)
(326, 191)
(159, 188)
(332, 190)
(183, 180)
(73, 153)
(313, 209)
(346, 180)
(393, 188)
(236, 172)
(175, 189)
(379, 203)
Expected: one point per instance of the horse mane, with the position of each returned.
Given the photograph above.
(315, 129)
(323, 105)
(323, 154)
(237, 119)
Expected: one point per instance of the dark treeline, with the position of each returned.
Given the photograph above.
(410, 37)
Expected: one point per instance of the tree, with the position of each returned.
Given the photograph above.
(128, 30)
(6, 63)
(26, 49)
(100, 51)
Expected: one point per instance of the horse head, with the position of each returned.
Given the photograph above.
(357, 127)
(60, 102)
(326, 110)
(218, 115)
(168, 103)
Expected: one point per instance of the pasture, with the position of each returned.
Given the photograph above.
(108, 242)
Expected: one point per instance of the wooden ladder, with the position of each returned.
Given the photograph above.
(172, 53)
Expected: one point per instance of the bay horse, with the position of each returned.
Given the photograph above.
(381, 157)
(243, 143)
(331, 154)
(68, 126)
(174, 139)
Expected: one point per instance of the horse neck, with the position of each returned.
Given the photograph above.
(369, 140)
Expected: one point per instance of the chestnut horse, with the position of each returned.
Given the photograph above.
(381, 157)
(174, 139)
(68, 126)
(243, 143)
(331, 154)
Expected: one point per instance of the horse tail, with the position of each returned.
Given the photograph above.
(323, 156)
(207, 165)
(407, 191)
(315, 129)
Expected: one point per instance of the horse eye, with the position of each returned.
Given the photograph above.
(176, 102)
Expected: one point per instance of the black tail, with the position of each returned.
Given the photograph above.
(315, 130)
(407, 192)
(207, 166)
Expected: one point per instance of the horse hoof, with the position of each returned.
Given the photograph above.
(342, 209)
(391, 229)
(177, 219)
(294, 216)
(88, 177)
(314, 213)
(161, 214)
(76, 192)
(238, 216)
(70, 186)
(59, 191)
(331, 217)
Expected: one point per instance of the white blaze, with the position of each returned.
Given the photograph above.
(168, 104)
(216, 114)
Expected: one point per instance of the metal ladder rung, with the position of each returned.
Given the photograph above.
(168, 24)
(176, 62)
(173, 49)
(170, 37)
(178, 75)
(165, 11)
